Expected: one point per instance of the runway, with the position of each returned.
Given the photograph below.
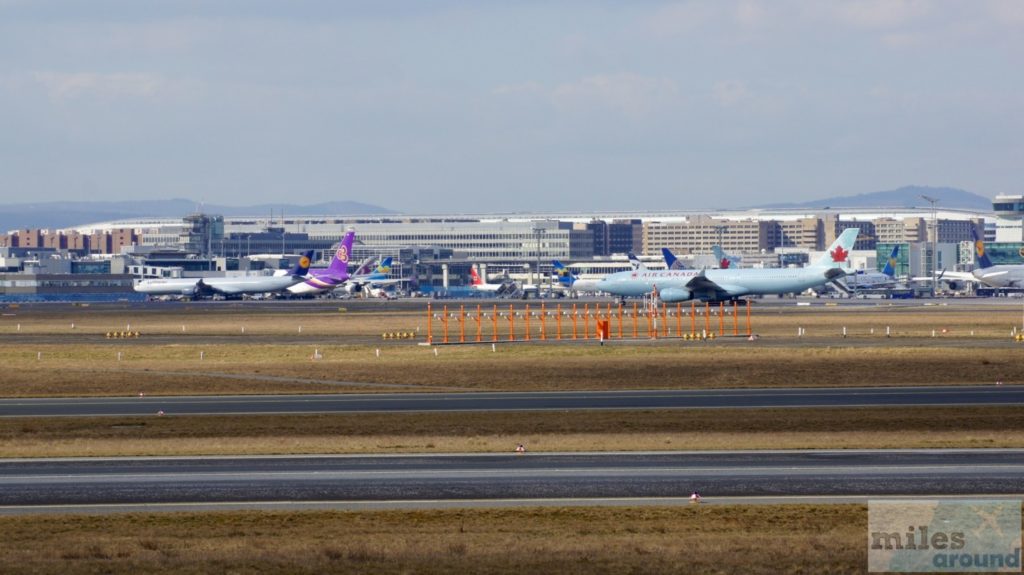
(1003, 395)
(53, 485)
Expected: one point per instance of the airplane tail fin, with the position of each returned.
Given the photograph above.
(724, 261)
(474, 277)
(671, 261)
(384, 267)
(979, 251)
(838, 254)
(302, 267)
(890, 264)
(339, 263)
(635, 262)
(564, 274)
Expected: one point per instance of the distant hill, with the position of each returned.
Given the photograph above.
(55, 215)
(905, 197)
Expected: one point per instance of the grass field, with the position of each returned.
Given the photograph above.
(694, 539)
(62, 369)
(923, 427)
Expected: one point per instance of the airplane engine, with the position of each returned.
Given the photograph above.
(672, 295)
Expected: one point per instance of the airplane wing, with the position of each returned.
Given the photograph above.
(704, 288)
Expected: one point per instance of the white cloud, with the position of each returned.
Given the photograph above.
(65, 86)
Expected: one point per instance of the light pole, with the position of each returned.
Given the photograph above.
(935, 241)
(538, 233)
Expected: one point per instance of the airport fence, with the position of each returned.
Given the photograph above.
(594, 322)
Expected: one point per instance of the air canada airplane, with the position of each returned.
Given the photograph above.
(726, 284)
(227, 286)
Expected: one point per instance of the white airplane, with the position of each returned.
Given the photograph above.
(228, 286)
(726, 284)
(478, 284)
(872, 279)
(985, 272)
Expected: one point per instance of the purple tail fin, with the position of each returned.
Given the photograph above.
(339, 263)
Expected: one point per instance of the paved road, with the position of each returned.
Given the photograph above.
(63, 483)
(525, 401)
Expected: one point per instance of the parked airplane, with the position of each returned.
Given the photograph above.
(372, 281)
(635, 262)
(334, 275)
(872, 279)
(725, 261)
(227, 286)
(478, 284)
(717, 285)
(997, 276)
(671, 261)
(569, 281)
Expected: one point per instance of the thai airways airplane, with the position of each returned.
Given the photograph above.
(228, 286)
(718, 285)
(997, 276)
(334, 275)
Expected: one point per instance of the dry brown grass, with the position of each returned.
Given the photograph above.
(240, 368)
(704, 539)
(930, 427)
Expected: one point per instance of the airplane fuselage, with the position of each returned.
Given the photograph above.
(730, 282)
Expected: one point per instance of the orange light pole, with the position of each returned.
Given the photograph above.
(574, 321)
(650, 323)
(707, 318)
(693, 318)
(721, 318)
(444, 321)
(494, 324)
(479, 324)
(679, 319)
(586, 321)
(749, 331)
(511, 323)
(527, 315)
(636, 329)
(664, 317)
(543, 323)
(462, 324)
(558, 321)
(735, 317)
(430, 325)
(620, 321)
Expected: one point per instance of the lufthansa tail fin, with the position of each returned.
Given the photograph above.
(979, 251)
(838, 254)
(302, 267)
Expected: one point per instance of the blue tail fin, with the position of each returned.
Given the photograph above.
(635, 262)
(564, 274)
(302, 267)
(339, 264)
(979, 251)
(671, 261)
(890, 264)
(384, 267)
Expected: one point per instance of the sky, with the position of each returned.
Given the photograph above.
(487, 106)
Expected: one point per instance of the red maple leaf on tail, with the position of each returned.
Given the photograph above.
(839, 254)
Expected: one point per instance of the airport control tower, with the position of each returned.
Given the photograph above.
(1009, 210)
